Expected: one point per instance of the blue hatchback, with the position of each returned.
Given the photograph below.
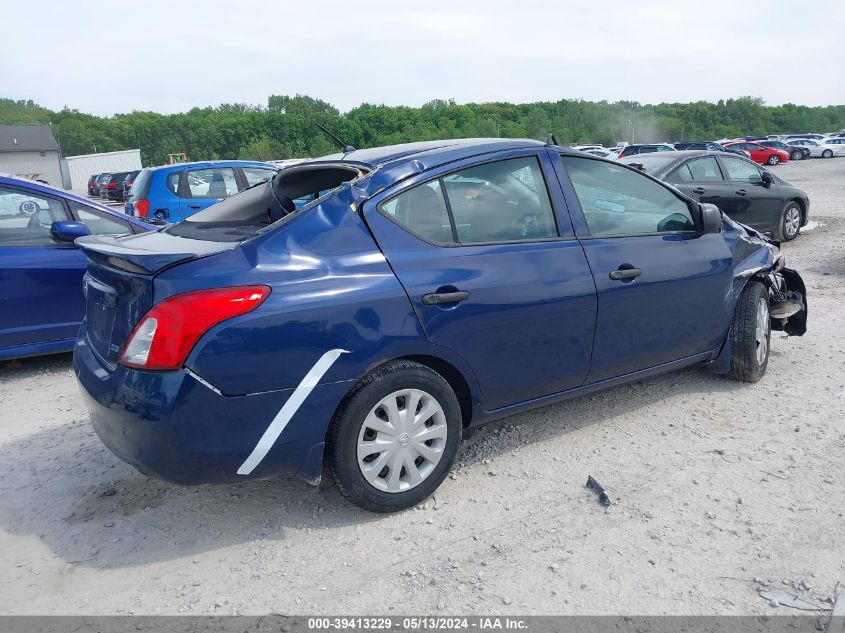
(41, 302)
(425, 289)
(173, 192)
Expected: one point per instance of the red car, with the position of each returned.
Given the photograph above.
(760, 153)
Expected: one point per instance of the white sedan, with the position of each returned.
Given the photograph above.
(820, 149)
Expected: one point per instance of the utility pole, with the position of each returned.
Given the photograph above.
(631, 121)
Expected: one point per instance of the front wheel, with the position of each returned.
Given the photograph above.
(750, 334)
(394, 438)
(790, 223)
(796, 156)
(774, 159)
(827, 153)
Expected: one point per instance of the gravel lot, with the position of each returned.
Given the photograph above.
(719, 489)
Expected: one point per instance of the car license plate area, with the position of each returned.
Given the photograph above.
(101, 311)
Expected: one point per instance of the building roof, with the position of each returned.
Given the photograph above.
(27, 138)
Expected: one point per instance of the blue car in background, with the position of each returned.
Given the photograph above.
(41, 270)
(173, 192)
(424, 290)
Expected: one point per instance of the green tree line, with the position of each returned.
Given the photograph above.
(284, 128)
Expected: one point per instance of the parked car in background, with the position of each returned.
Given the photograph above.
(419, 295)
(795, 152)
(128, 182)
(41, 300)
(600, 152)
(631, 150)
(814, 147)
(113, 188)
(171, 193)
(739, 187)
(760, 153)
(711, 146)
(99, 183)
(815, 137)
(92, 181)
(831, 147)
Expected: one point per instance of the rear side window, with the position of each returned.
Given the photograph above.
(700, 170)
(618, 201)
(254, 175)
(422, 211)
(500, 202)
(742, 171)
(217, 182)
(172, 182)
(503, 201)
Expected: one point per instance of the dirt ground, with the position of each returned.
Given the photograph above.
(718, 489)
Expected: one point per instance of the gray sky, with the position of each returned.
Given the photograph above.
(170, 56)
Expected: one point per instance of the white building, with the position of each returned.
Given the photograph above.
(79, 168)
(30, 151)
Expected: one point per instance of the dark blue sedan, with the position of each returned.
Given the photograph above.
(421, 291)
(41, 301)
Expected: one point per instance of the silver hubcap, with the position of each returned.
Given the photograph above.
(761, 333)
(402, 440)
(791, 221)
(774, 160)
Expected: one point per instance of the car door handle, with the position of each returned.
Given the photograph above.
(441, 298)
(742, 192)
(624, 273)
(699, 190)
(195, 206)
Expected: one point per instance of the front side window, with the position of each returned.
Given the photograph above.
(500, 202)
(25, 218)
(218, 182)
(254, 175)
(620, 201)
(99, 222)
(422, 211)
(742, 171)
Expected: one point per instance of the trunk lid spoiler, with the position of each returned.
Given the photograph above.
(147, 253)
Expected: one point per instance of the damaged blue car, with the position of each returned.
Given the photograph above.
(363, 312)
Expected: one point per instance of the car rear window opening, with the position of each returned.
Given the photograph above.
(257, 207)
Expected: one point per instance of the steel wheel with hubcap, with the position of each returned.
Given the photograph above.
(790, 223)
(774, 159)
(394, 438)
(750, 334)
(401, 441)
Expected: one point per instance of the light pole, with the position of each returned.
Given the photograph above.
(631, 121)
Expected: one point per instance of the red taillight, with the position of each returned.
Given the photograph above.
(111, 185)
(166, 334)
(142, 208)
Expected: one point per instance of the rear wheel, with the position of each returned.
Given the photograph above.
(774, 159)
(828, 153)
(395, 437)
(790, 223)
(750, 334)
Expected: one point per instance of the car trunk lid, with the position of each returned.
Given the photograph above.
(119, 283)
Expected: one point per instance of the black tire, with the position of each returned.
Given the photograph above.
(774, 159)
(343, 435)
(790, 223)
(828, 153)
(796, 155)
(745, 362)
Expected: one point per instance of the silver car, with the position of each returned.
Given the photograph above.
(818, 149)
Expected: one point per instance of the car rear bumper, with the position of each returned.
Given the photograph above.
(175, 427)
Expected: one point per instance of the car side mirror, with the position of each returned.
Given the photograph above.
(768, 179)
(711, 218)
(68, 231)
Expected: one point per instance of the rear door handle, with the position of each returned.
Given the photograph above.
(624, 273)
(195, 206)
(742, 192)
(699, 190)
(441, 298)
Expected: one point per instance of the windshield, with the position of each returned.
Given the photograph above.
(255, 208)
(649, 164)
